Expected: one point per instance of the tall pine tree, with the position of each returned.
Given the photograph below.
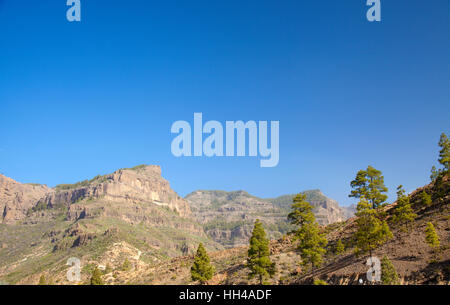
(403, 213)
(311, 242)
(202, 270)
(258, 260)
(389, 275)
(370, 185)
(371, 231)
(431, 237)
(444, 153)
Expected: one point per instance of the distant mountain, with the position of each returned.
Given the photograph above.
(228, 217)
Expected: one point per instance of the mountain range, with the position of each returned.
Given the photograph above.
(133, 210)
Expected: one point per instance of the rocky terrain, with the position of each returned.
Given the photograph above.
(414, 261)
(228, 217)
(42, 227)
(16, 198)
(137, 230)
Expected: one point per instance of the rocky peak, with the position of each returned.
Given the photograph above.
(141, 184)
(17, 198)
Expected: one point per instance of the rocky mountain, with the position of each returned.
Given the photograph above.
(228, 217)
(17, 198)
(138, 185)
(415, 262)
(133, 227)
(136, 207)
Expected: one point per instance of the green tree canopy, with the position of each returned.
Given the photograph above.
(96, 278)
(431, 236)
(403, 213)
(311, 243)
(425, 198)
(202, 270)
(444, 153)
(258, 260)
(389, 275)
(340, 248)
(370, 185)
(371, 231)
(301, 211)
(42, 280)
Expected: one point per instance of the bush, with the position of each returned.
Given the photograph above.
(319, 282)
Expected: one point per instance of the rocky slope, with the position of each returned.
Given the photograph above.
(408, 251)
(142, 184)
(228, 217)
(134, 206)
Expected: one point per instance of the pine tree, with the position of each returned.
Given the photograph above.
(425, 198)
(301, 211)
(370, 185)
(258, 260)
(311, 243)
(42, 280)
(96, 278)
(403, 213)
(444, 153)
(340, 248)
(126, 266)
(434, 173)
(431, 237)
(202, 270)
(371, 231)
(389, 275)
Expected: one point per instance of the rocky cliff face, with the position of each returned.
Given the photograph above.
(327, 210)
(228, 217)
(17, 198)
(142, 184)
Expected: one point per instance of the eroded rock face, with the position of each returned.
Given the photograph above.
(228, 217)
(17, 198)
(140, 185)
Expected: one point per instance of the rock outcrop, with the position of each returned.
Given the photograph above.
(142, 184)
(228, 217)
(17, 198)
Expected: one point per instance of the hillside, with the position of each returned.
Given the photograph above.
(132, 206)
(228, 217)
(136, 229)
(413, 259)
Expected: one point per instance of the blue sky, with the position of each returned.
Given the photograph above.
(81, 99)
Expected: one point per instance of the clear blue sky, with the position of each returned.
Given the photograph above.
(81, 99)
